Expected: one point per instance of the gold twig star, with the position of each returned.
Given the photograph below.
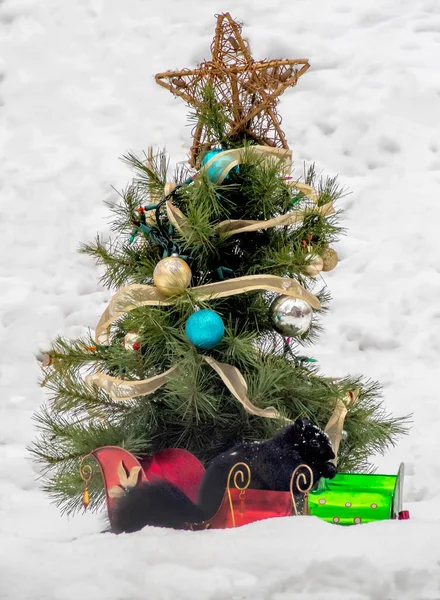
(245, 90)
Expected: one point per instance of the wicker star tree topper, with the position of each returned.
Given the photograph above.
(234, 96)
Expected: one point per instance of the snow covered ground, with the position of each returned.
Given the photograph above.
(76, 92)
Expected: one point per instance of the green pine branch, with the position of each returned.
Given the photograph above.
(150, 173)
(123, 264)
(210, 115)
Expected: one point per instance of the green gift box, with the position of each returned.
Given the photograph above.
(353, 498)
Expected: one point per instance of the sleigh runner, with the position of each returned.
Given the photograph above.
(347, 499)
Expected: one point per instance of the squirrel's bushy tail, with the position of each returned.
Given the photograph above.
(160, 504)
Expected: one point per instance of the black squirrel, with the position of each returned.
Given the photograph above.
(272, 462)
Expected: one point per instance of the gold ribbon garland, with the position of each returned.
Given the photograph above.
(229, 159)
(223, 163)
(307, 190)
(335, 424)
(236, 384)
(177, 218)
(232, 227)
(118, 389)
(136, 295)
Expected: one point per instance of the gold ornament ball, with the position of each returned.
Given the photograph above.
(172, 276)
(314, 265)
(330, 259)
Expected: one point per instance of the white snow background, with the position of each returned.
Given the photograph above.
(77, 91)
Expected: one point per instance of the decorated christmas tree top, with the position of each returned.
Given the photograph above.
(215, 274)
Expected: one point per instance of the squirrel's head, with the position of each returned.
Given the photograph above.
(311, 443)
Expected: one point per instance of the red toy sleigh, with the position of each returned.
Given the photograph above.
(348, 499)
(240, 506)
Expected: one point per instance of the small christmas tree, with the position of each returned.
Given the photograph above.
(200, 346)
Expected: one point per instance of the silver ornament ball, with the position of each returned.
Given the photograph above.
(291, 316)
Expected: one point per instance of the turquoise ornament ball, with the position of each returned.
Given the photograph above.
(216, 169)
(205, 329)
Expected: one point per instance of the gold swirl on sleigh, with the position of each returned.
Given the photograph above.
(234, 474)
(86, 473)
(298, 480)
